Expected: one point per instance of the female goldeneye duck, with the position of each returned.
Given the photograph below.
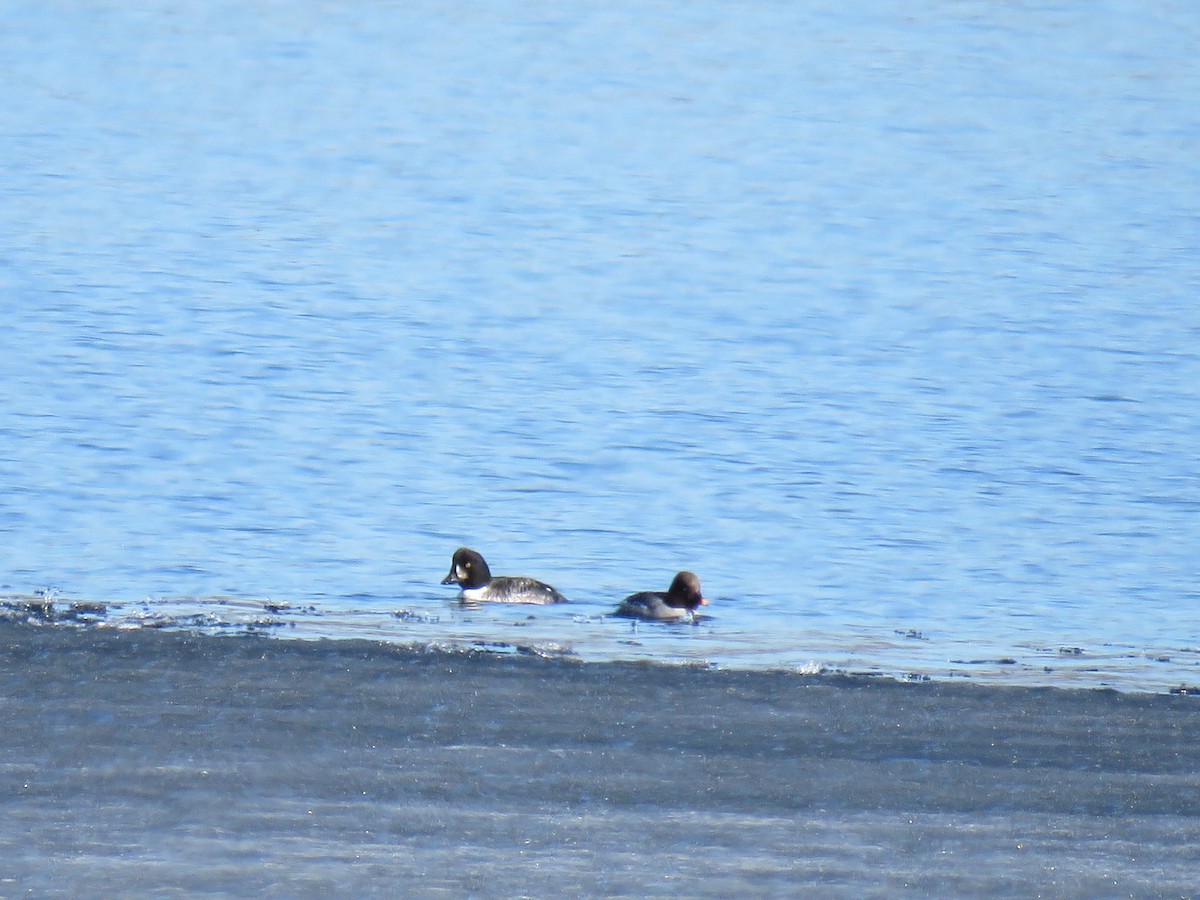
(470, 572)
(679, 601)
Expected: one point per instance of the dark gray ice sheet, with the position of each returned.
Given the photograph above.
(168, 763)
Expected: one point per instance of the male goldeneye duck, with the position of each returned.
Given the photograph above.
(679, 601)
(470, 572)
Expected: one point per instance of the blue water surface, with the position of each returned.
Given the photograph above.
(881, 317)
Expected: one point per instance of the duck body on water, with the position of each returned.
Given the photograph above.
(678, 602)
(469, 570)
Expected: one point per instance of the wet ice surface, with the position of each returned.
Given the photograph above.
(587, 633)
(161, 762)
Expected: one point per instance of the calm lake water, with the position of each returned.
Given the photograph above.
(881, 317)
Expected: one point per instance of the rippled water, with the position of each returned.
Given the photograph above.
(882, 319)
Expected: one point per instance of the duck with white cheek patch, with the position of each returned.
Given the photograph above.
(470, 571)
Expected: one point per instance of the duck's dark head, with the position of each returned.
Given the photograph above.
(684, 592)
(468, 569)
